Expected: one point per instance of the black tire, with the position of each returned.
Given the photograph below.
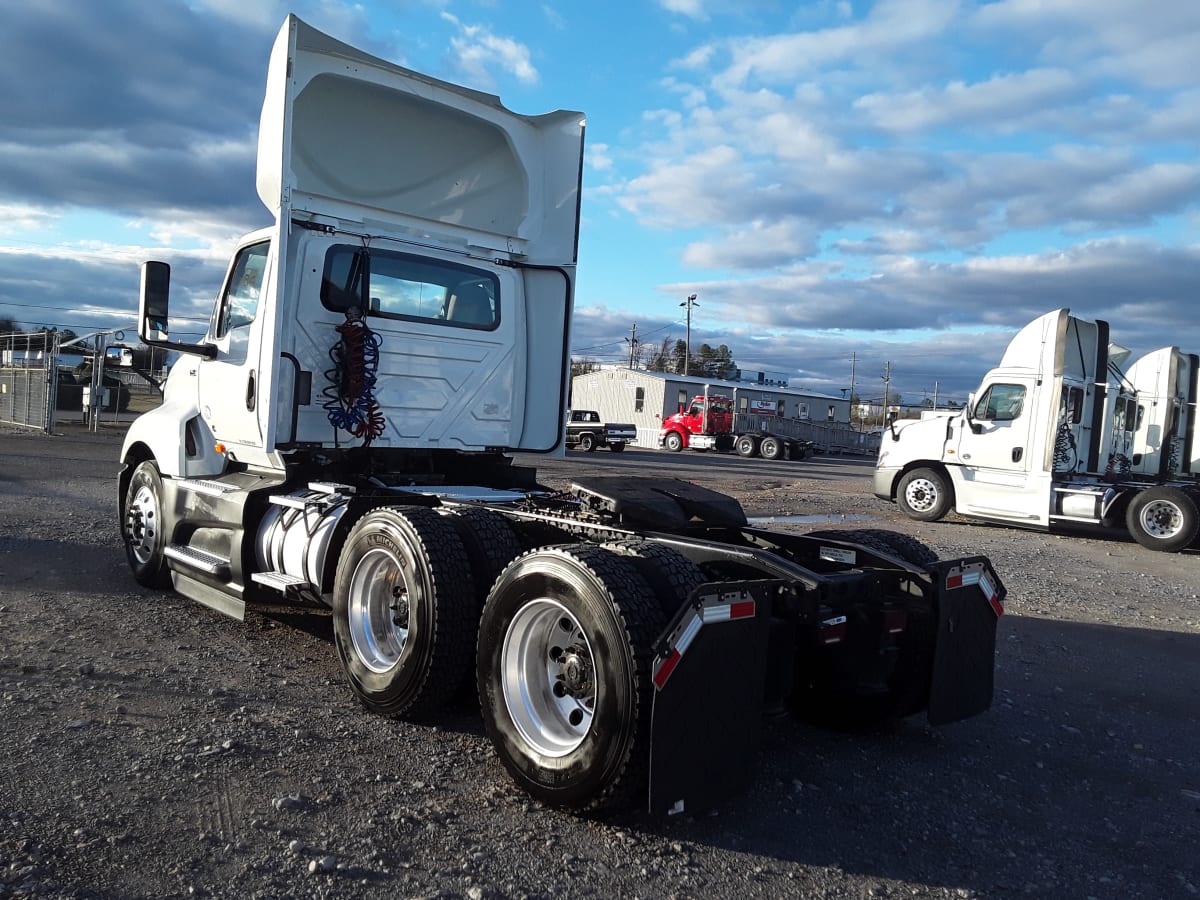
(563, 628)
(924, 495)
(771, 448)
(673, 441)
(616, 447)
(490, 542)
(670, 574)
(1163, 518)
(796, 451)
(746, 446)
(587, 442)
(143, 528)
(404, 611)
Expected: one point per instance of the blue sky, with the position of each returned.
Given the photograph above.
(893, 182)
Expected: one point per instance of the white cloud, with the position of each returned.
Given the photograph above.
(692, 9)
(757, 245)
(477, 50)
(20, 218)
(889, 25)
(999, 103)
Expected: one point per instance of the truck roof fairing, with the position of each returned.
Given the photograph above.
(349, 136)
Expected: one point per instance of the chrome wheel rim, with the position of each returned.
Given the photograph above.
(379, 610)
(141, 524)
(1161, 519)
(921, 494)
(549, 677)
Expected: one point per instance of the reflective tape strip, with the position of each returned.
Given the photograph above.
(728, 611)
(721, 612)
(977, 577)
(666, 667)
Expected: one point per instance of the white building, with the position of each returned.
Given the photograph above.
(646, 398)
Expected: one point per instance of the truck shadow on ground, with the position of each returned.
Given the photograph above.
(1084, 762)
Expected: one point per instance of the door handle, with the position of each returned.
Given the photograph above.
(1017, 453)
(250, 392)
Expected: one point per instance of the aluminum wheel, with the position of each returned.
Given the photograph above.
(141, 523)
(924, 494)
(1161, 519)
(378, 610)
(549, 677)
(921, 495)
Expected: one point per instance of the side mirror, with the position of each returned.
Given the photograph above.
(153, 311)
(154, 301)
(975, 427)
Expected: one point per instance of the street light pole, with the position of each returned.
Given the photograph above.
(687, 359)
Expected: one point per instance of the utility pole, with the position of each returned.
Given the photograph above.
(687, 359)
(853, 360)
(887, 382)
(633, 342)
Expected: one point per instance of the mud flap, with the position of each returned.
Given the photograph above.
(970, 600)
(708, 696)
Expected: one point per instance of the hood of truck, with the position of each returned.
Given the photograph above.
(906, 441)
(353, 141)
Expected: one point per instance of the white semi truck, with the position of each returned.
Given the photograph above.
(1163, 386)
(342, 437)
(1052, 437)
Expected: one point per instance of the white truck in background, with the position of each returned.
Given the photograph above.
(1052, 436)
(342, 438)
(1163, 386)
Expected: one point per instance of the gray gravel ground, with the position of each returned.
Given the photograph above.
(152, 748)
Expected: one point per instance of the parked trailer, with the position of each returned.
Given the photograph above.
(1045, 441)
(388, 336)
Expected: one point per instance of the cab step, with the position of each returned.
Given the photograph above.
(200, 560)
(297, 590)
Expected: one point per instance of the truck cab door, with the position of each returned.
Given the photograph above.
(996, 453)
(229, 385)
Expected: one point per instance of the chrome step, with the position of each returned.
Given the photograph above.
(201, 560)
(204, 486)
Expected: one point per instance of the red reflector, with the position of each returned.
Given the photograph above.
(953, 581)
(741, 610)
(997, 606)
(666, 667)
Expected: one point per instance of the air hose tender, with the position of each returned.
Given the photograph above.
(350, 395)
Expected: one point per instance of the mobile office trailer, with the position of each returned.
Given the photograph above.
(342, 437)
(1042, 442)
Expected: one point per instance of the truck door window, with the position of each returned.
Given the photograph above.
(1001, 403)
(415, 288)
(239, 304)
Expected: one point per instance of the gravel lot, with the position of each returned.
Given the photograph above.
(152, 748)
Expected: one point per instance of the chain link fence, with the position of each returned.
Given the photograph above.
(28, 379)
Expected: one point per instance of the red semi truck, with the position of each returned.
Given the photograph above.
(709, 423)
